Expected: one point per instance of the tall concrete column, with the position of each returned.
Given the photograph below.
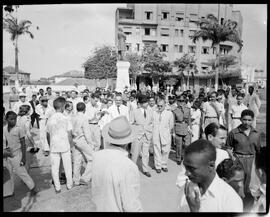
(122, 79)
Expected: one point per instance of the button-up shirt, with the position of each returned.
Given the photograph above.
(243, 144)
(253, 103)
(44, 112)
(58, 127)
(236, 110)
(115, 181)
(81, 127)
(13, 137)
(218, 197)
(17, 105)
(113, 111)
(91, 113)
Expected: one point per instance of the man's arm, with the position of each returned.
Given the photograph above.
(48, 138)
(87, 133)
(23, 148)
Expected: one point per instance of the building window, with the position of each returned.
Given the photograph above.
(153, 32)
(128, 33)
(221, 20)
(165, 32)
(147, 31)
(175, 48)
(165, 15)
(176, 31)
(180, 49)
(149, 15)
(179, 17)
(164, 48)
(137, 30)
(192, 32)
(128, 47)
(202, 17)
(191, 49)
(214, 50)
(181, 32)
(138, 47)
(205, 50)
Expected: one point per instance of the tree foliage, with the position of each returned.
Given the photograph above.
(101, 64)
(224, 62)
(211, 29)
(186, 62)
(135, 61)
(152, 61)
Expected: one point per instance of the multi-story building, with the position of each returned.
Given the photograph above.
(170, 25)
(10, 76)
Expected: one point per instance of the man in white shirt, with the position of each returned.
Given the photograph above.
(22, 101)
(115, 178)
(93, 114)
(163, 124)
(235, 112)
(118, 108)
(253, 102)
(217, 135)
(74, 99)
(204, 191)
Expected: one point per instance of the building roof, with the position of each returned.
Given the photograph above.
(71, 74)
(81, 81)
(11, 70)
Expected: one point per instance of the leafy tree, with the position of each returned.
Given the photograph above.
(102, 63)
(135, 64)
(211, 29)
(152, 60)
(224, 62)
(186, 62)
(16, 28)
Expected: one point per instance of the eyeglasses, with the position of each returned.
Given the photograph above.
(159, 106)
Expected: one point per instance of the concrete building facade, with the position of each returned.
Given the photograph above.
(170, 25)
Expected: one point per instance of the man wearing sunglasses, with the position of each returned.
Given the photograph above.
(182, 126)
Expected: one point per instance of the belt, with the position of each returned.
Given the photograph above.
(93, 123)
(236, 118)
(180, 122)
(245, 155)
(211, 117)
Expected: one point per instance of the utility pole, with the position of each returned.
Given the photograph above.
(218, 56)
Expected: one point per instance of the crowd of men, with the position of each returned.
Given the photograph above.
(218, 149)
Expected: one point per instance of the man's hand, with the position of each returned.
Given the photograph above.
(192, 197)
(23, 160)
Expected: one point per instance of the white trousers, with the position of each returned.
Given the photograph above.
(19, 170)
(96, 136)
(82, 151)
(55, 164)
(195, 132)
(141, 145)
(43, 136)
(161, 154)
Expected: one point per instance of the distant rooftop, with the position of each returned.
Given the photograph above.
(11, 70)
(70, 74)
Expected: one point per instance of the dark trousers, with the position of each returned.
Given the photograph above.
(35, 117)
(247, 165)
(181, 142)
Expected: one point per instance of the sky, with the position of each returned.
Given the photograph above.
(68, 33)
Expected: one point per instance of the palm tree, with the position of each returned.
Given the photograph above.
(186, 62)
(16, 28)
(211, 29)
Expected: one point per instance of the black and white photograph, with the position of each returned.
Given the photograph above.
(131, 107)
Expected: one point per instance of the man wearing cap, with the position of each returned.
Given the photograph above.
(115, 178)
(22, 101)
(142, 119)
(44, 111)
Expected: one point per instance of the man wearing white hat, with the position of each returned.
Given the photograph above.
(115, 178)
(22, 101)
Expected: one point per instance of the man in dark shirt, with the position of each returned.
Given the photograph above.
(246, 142)
(34, 117)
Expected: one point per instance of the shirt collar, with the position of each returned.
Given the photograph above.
(119, 149)
(214, 186)
(240, 130)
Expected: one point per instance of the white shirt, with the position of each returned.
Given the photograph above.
(196, 115)
(58, 126)
(236, 110)
(17, 105)
(113, 112)
(219, 197)
(115, 182)
(221, 155)
(92, 112)
(44, 113)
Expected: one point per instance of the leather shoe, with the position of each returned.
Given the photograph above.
(58, 191)
(165, 169)
(147, 174)
(158, 170)
(82, 182)
(178, 162)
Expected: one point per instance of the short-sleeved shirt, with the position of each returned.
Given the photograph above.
(58, 127)
(14, 97)
(13, 137)
(236, 110)
(243, 144)
(209, 110)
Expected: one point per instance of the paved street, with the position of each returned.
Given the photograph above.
(158, 193)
